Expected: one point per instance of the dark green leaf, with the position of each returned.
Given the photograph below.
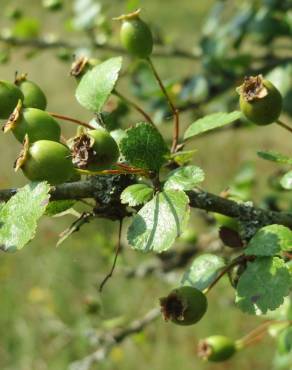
(96, 85)
(159, 222)
(263, 285)
(211, 122)
(19, 216)
(144, 147)
(270, 240)
(275, 157)
(58, 206)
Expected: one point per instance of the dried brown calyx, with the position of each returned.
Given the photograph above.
(20, 78)
(82, 152)
(78, 66)
(128, 16)
(21, 159)
(13, 118)
(173, 307)
(252, 88)
(204, 349)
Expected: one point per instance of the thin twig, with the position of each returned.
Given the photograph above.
(118, 249)
(70, 119)
(135, 106)
(171, 105)
(284, 125)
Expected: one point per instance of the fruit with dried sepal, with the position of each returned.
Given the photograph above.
(45, 160)
(184, 306)
(35, 123)
(260, 101)
(94, 150)
(10, 94)
(34, 97)
(217, 348)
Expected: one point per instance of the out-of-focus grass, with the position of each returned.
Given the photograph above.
(43, 320)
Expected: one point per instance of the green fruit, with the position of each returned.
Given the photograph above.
(136, 35)
(46, 160)
(184, 306)
(260, 101)
(37, 124)
(9, 96)
(34, 97)
(216, 348)
(95, 151)
(53, 5)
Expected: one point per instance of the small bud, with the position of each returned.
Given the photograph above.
(216, 348)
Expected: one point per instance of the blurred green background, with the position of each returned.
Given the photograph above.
(44, 324)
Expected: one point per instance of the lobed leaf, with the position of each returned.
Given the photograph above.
(97, 84)
(270, 240)
(159, 222)
(144, 147)
(211, 122)
(263, 285)
(19, 216)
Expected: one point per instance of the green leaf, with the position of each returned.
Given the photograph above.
(275, 157)
(270, 240)
(159, 222)
(211, 122)
(96, 85)
(26, 28)
(58, 206)
(184, 178)
(182, 158)
(136, 194)
(286, 181)
(203, 271)
(144, 147)
(263, 285)
(19, 216)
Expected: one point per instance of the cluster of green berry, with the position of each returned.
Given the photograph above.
(44, 157)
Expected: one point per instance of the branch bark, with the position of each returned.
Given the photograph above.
(198, 199)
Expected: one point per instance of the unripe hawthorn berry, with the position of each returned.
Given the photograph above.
(94, 150)
(45, 160)
(260, 101)
(136, 35)
(216, 348)
(9, 97)
(35, 123)
(34, 96)
(184, 306)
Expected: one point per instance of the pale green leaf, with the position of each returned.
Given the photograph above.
(136, 194)
(19, 216)
(184, 178)
(58, 206)
(270, 240)
(211, 122)
(156, 226)
(184, 157)
(286, 181)
(203, 271)
(263, 285)
(275, 157)
(144, 147)
(97, 84)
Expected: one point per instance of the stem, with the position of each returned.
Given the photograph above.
(70, 119)
(118, 249)
(284, 125)
(171, 105)
(136, 171)
(235, 262)
(135, 106)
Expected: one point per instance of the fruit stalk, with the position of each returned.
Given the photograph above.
(284, 125)
(171, 105)
(70, 119)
